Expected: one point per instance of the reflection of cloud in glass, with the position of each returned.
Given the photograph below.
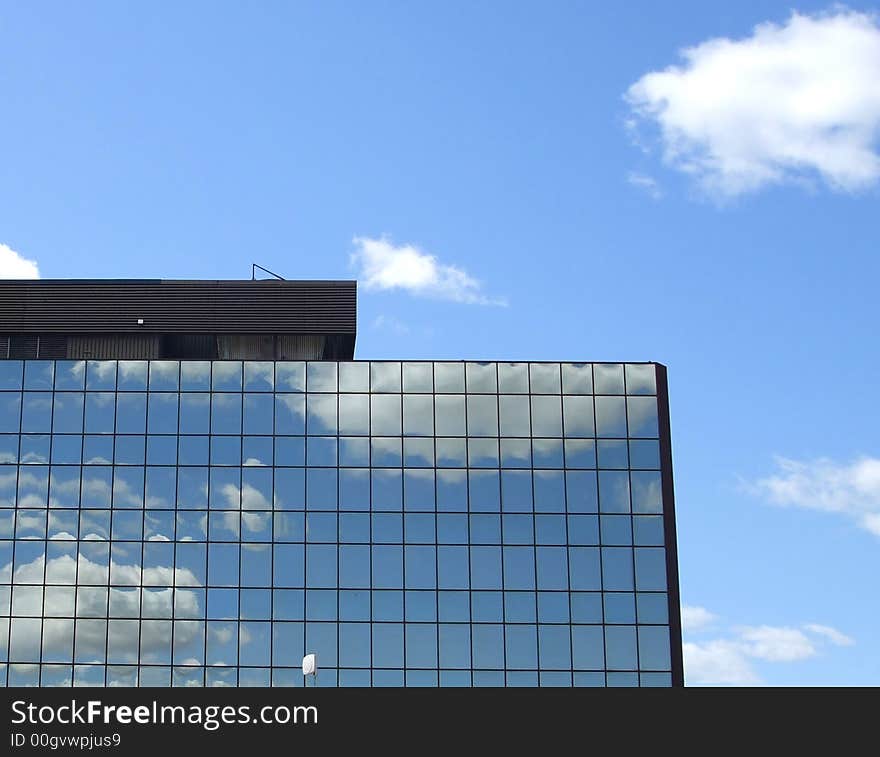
(92, 604)
(102, 369)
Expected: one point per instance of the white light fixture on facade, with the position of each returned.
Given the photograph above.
(310, 667)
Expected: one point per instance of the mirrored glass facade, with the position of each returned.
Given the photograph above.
(420, 524)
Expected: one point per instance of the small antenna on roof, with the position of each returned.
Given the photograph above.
(254, 267)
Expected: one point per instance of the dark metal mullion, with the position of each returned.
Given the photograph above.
(436, 521)
(46, 532)
(632, 537)
(15, 531)
(174, 526)
(534, 524)
(338, 545)
(370, 519)
(78, 541)
(500, 518)
(467, 484)
(143, 522)
(599, 523)
(567, 539)
(241, 545)
(669, 534)
(306, 518)
(272, 524)
(207, 515)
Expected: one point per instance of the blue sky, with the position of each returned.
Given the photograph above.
(524, 181)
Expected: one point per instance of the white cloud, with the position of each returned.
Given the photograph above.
(832, 634)
(647, 184)
(729, 660)
(717, 663)
(389, 323)
(15, 266)
(776, 644)
(696, 618)
(792, 101)
(851, 489)
(383, 265)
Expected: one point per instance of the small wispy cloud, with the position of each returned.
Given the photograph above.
(382, 265)
(791, 102)
(648, 184)
(850, 489)
(15, 266)
(390, 323)
(696, 618)
(832, 634)
(729, 658)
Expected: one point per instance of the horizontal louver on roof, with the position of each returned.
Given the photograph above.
(239, 307)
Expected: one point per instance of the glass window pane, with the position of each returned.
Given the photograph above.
(620, 647)
(385, 414)
(549, 490)
(354, 489)
(386, 452)
(321, 417)
(290, 413)
(650, 569)
(546, 416)
(544, 378)
(452, 567)
(641, 378)
(608, 378)
(482, 415)
(354, 414)
(583, 568)
(514, 415)
(101, 375)
(10, 412)
(354, 377)
(420, 567)
(642, 416)
(448, 377)
(482, 453)
(418, 415)
(481, 378)
(610, 417)
(288, 565)
(554, 647)
(36, 412)
(387, 645)
(132, 375)
(513, 378)
(195, 375)
(516, 491)
(321, 377)
(11, 374)
(418, 453)
(417, 377)
(484, 491)
(617, 569)
(587, 648)
(385, 377)
(259, 376)
(290, 376)
(258, 414)
(577, 378)
(449, 415)
(652, 608)
(67, 413)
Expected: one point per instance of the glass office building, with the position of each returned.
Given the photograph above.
(208, 522)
